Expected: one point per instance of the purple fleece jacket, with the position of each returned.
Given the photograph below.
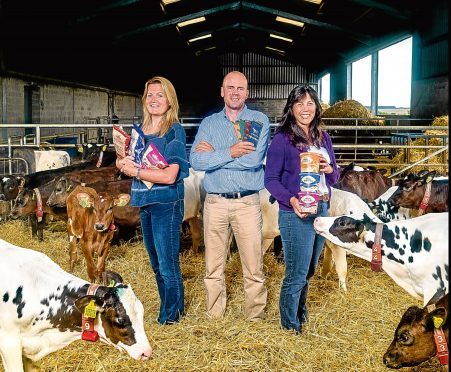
(283, 167)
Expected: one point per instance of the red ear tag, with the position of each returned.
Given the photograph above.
(88, 334)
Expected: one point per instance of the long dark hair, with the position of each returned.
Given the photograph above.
(288, 123)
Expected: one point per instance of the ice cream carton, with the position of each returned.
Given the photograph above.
(309, 179)
(308, 201)
(310, 162)
(312, 189)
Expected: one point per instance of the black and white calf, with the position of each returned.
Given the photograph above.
(414, 252)
(387, 211)
(41, 305)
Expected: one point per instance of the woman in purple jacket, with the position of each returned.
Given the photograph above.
(299, 131)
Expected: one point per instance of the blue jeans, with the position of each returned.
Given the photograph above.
(302, 248)
(161, 234)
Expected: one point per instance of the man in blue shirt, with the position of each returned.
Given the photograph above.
(233, 177)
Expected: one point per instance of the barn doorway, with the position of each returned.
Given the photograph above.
(32, 109)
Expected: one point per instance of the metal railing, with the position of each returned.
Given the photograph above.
(366, 145)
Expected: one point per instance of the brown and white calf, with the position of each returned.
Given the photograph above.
(413, 342)
(32, 203)
(41, 307)
(89, 220)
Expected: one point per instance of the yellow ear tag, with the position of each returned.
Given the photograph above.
(112, 283)
(84, 203)
(104, 148)
(90, 310)
(80, 149)
(437, 321)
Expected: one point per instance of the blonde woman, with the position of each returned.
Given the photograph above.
(161, 207)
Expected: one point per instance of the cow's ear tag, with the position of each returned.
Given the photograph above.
(437, 321)
(122, 200)
(84, 200)
(429, 179)
(112, 283)
(84, 203)
(104, 148)
(80, 149)
(90, 310)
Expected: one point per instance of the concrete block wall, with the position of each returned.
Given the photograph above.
(89, 104)
(12, 106)
(60, 103)
(126, 107)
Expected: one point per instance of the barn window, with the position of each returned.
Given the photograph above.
(324, 88)
(394, 79)
(361, 81)
(381, 81)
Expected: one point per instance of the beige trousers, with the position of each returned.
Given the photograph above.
(245, 219)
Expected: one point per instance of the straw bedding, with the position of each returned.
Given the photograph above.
(345, 332)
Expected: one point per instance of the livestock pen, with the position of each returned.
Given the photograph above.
(345, 331)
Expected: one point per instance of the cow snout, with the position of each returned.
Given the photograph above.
(146, 354)
(390, 360)
(318, 224)
(100, 226)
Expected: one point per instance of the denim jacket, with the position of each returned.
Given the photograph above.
(173, 147)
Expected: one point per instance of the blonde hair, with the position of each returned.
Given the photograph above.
(171, 116)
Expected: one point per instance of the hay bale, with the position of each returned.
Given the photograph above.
(331, 340)
(350, 109)
(324, 106)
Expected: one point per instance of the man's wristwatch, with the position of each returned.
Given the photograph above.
(138, 174)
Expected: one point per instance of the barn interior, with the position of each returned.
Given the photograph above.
(68, 68)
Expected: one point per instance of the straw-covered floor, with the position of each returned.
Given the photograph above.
(345, 332)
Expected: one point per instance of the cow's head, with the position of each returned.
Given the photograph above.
(103, 206)
(411, 190)
(10, 187)
(342, 230)
(91, 151)
(58, 197)
(24, 204)
(413, 342)
(120, 318)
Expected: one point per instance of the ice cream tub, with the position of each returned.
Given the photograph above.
(308, 201)
(311, 189)
(309, 179)
(310, 162)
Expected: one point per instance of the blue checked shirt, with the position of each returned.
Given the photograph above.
(224, 174)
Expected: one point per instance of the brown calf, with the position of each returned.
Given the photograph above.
(368, 184)
(90, 215)
(126, 216)
(414, 337)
